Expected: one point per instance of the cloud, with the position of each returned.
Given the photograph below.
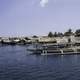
(43, 2)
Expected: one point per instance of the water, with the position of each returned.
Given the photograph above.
(17, 64)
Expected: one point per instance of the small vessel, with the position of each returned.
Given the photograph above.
(50, 49)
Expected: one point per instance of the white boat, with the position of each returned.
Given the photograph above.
(49, 49)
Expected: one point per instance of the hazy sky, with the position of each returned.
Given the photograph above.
(38, 17)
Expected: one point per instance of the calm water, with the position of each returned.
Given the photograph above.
(17, 64)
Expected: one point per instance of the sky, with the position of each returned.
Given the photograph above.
(38, 17)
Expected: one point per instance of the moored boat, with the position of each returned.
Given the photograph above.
(50, 49)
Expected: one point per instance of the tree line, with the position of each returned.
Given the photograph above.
(69, 32)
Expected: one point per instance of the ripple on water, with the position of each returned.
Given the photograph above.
(15, 64)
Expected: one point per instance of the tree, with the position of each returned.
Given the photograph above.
(35, 36)
(50, 34)
(77, 33)
(55, 34)
(68, 33)
(60, 34)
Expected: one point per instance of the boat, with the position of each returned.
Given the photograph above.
(57, 49)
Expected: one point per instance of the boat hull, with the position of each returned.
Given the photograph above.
(53, 52)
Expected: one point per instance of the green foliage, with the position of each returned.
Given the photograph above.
(50, 34)
(60, 34)
(77, 33)
(68, 33)
(55, 34)
(35, 36)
